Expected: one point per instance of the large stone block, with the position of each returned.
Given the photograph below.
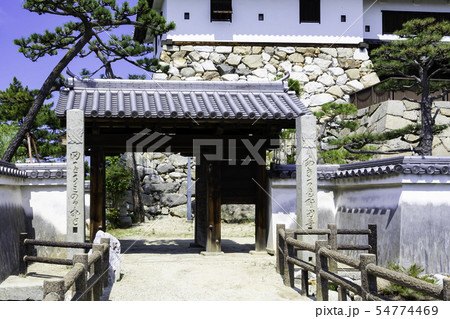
(336, 91)
(211, 75)
(321, 99)
(188, 72)
(203, 48)
(194, 56)
(177, 160)
(230, 77)
(165, 168)
(253, 61)
(330, 51)
(355, 85)
(396, 108)
(180, 54)
(314, 87)
(243, 50)
(225, 69)
(179, 63)
(217, 58)
(395, 122)
(197, 67)
(234, 59)
(172, 200)
(208, 66)
(322, 63)
(161, 188)
(345, 52)
(341, 79)
(224, 49)
(326, 80)
(296, 58)
(353, 74)
(285, 66)
(299, 76)
(370, 79)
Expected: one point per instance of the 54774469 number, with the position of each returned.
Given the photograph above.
(407, 310)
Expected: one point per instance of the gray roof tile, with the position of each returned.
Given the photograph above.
(180, 99)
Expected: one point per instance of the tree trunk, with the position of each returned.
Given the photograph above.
(426, 143)
(43, 94)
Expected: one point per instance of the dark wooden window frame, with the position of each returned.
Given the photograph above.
(393, 20)
(221, 10)
(310, 11)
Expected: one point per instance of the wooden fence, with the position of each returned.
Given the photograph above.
(375, 95)
(88, 276)
(325, 267)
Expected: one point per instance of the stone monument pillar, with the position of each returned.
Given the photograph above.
(75, 176)
(306, 166)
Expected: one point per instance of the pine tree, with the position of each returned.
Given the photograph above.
(15, 102)
(420, 56)
(82, 37)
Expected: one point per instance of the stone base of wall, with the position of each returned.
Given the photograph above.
(391, 115)
(326, 74)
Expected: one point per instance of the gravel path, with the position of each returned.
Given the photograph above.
(156, 266)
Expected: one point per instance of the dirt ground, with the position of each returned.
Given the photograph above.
(159, 264)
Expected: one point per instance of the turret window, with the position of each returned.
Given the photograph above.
(221, 10)
(309, 11)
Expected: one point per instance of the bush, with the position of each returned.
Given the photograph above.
(401, 292)
(118, 180)
(113, 216)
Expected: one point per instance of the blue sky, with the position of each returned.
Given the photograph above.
(16, 22)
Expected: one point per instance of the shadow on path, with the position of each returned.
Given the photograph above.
(177, 246)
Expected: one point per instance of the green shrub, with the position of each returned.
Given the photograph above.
(403, 292)
(113, 216)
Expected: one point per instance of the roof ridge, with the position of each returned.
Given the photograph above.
(179, 85)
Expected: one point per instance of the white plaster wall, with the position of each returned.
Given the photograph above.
(281, 22)
(412, 214)
(425, 226)
(282, 208)
(373, 16)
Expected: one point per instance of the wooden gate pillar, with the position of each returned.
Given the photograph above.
(201, 202)
(213, 237)
(261, 209)
(98, 194)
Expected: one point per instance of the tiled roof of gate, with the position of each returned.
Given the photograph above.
(180, 99)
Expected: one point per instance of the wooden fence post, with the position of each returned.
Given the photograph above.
(280, 245)
(368, 282)
(332, 243)
(446, 289)
(321, 264)
(98, 271)
(342, 293)
(288, 267)
(106, 265)
(54, 289)
(372, 240)
(81, 281)
(22, 253)
(305, 289)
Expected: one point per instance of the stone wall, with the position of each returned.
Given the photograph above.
(391, 115)
(326, 74)
(163, 178)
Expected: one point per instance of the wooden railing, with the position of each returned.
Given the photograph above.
(374, 94)
(325, 255)
(88, 276)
